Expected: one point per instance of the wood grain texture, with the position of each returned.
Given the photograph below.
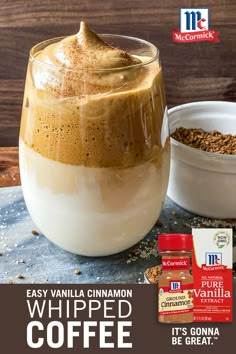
(9, 167)
(26, 12)
(192, 72)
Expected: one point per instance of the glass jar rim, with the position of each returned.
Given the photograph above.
(35, 49)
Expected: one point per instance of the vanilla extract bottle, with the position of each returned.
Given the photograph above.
(175, 287)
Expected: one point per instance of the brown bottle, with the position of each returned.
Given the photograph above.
(175, 287)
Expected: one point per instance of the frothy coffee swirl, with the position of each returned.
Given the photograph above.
(90, 62)
(86, 50)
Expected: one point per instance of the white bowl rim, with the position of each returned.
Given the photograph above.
(175, 109)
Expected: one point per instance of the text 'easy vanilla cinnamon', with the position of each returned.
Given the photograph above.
(175, 287)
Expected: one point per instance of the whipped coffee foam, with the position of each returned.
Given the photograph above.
(85, 50)
(96, 119)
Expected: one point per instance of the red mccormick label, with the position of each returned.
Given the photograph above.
(175, 263)
(194, 27)
(176, 298)
(212, 273)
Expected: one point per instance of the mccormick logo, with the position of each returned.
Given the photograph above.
(175, 263)
(213, 261)
(194, 27)
(175, 286)
(192, 20)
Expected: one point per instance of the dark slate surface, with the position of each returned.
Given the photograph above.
(39, 261)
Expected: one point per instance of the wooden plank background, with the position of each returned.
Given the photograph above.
(193, 72)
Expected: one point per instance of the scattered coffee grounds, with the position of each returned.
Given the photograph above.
(20, 276)
(77, 271)
(20, 261)
(207, 141)
(158, 223)
(34, 232)
(152, 274)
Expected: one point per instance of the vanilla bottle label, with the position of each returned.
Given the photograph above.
(212, 272)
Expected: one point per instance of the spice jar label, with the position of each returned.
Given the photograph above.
(177, 298)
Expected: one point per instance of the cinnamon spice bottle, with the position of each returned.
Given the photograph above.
(175, 287)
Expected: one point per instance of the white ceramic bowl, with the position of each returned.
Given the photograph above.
(203, 182)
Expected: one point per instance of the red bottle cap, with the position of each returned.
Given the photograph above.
(175, 242)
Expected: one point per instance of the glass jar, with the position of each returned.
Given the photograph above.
(175, 287)
(94, 149)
